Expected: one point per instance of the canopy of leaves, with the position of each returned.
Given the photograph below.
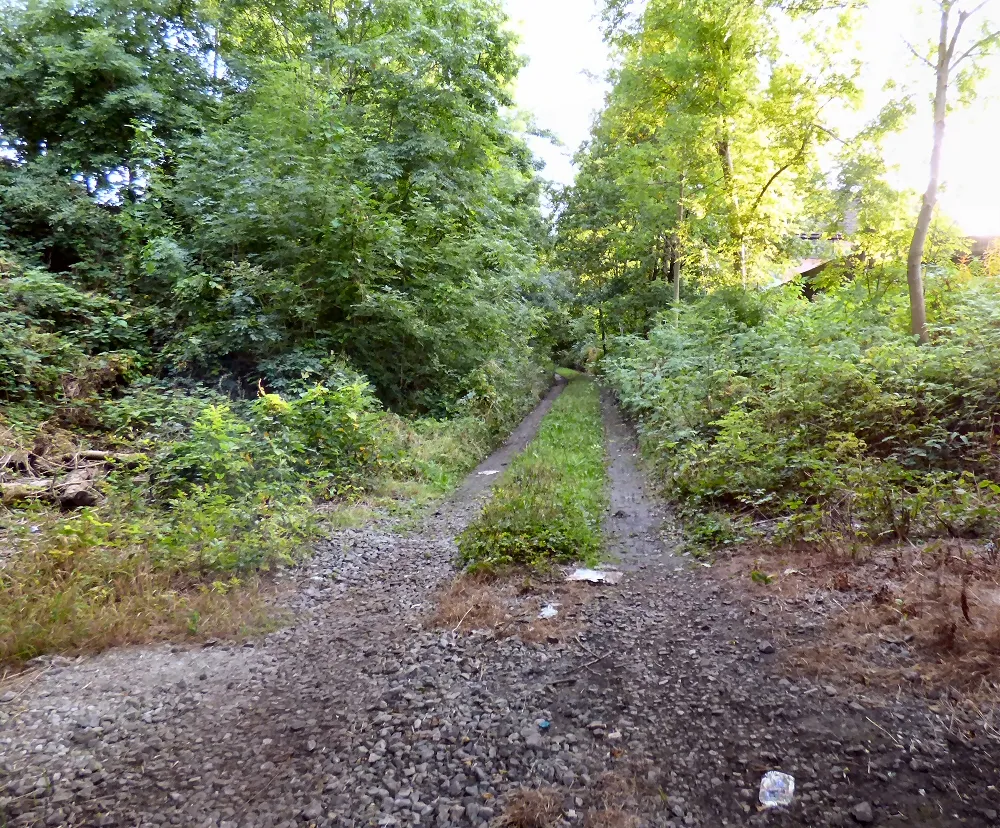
(267, 184)
(707, 156)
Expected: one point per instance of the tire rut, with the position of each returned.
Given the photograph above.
(664, 710)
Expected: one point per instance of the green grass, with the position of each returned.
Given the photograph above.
(548, 507)
(143, 566)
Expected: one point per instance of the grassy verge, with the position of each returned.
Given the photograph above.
(548, 507)
(180, 541)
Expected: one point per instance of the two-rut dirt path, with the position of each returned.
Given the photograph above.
(658, 708)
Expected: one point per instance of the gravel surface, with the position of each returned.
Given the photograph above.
(667, 708)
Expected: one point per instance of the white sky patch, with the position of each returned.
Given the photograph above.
(971, 172)
(563, 84)
(562, 39)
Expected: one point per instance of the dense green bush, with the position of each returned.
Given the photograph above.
(51, 330)
(825, 418)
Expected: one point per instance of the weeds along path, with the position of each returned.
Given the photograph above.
(353, 713)
(661, 705)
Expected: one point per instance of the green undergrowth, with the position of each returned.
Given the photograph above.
(823, 421)
(216, 493)
(547, 508)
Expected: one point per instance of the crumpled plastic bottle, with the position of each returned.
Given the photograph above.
(776, 789)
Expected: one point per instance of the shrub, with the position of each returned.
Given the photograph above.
(824, 416)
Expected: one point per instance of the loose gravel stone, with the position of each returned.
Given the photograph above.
(360, 714)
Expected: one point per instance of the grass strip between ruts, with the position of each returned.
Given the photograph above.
(548, 506)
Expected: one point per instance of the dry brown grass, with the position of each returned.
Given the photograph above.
(610, 818)
(86, 602)
(509, 606)
(927, 616)
(615, 802)
(540, 808)
(612, 803)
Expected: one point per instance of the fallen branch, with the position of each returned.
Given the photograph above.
(76, 489)
(118, 458)
(21, 490)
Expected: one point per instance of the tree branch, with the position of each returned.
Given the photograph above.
(831, 133)
(917, 54)
(979, 44)
(779, 171)
(963, 16)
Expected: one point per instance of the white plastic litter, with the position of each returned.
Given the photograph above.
(595, 576)
(549, 611)
(776, 789)
(488, 473)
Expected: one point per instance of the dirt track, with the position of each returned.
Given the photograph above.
(657, 703)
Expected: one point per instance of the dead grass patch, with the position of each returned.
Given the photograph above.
(86, 602)
(612, 803)
(610, 818)
(509, 605)
(922, 616)
(615, 803)
(540, 808)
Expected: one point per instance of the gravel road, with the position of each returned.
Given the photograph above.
(664, 710)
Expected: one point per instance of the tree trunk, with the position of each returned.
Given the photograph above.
(726, 154)
(914, 261)
(604, 334)
(675, 264)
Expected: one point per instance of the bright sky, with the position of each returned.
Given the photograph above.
(562, 39)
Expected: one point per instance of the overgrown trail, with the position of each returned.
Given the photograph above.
(662, 708)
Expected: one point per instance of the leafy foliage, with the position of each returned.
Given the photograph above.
(705, 163)
(75, 78)
(265, 185)
(825, 419)
(232, 235)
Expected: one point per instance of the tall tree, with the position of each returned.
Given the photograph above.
(306, 177)
(77, 75)
(953, 62)
(707, 150)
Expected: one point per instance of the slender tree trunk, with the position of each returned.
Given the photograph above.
(675, 264)
(604, 334)
(914, 261)
(215, 53)
(726, 154)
